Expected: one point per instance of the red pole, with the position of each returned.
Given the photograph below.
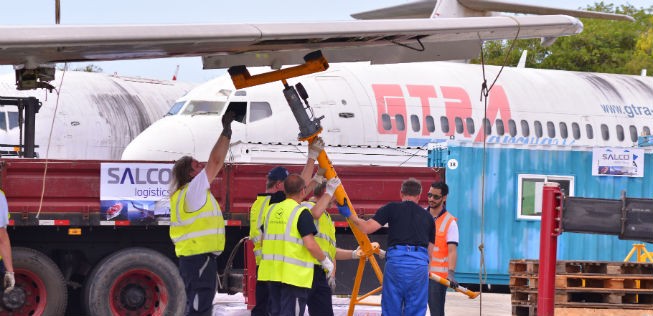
(549, 231)
(249, 275)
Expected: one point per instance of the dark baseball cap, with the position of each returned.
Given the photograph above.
(278, 174)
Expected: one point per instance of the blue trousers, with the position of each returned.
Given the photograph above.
(285, 297)
(405, 281)
(437, 295)
(199, 273)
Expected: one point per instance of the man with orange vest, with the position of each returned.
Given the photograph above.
(444, 253)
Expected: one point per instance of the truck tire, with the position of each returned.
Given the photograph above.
(135, 281)
(42, 281)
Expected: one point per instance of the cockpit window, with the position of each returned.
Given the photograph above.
(259, 111)
(175, 108)
(13, 119)
(3, 121)
(204, 107)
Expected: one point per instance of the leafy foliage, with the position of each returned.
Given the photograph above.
(603, 46)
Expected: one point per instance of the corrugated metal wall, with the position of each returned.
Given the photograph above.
(505, 236)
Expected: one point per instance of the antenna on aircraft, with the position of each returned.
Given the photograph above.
(57, 11)
(174, 76)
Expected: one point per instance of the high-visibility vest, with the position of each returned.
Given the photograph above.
(285, 259)
(326, 234)
(196, 232)
(256, 219)
(440, 254)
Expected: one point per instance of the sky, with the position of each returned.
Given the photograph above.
(75, 12)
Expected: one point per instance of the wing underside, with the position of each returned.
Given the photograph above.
(275, 44)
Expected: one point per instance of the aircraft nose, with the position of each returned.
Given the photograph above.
(167, 139)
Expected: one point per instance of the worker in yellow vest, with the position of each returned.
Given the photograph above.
(274, 193)
(5, 245)
(319, 301)
(444, 253)
(196, 223)
(289, 249)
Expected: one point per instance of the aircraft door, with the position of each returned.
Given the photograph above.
(343, 122)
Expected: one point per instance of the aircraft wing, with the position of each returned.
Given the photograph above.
(274, 44)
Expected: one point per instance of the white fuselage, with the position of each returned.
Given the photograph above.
(396, 108)
(97, 115)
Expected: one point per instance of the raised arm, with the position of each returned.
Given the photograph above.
(220, 149)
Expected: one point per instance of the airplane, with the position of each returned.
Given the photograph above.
(390, 114)
(418, 31)
(97, 114)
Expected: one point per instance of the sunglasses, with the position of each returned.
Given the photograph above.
(435, 196)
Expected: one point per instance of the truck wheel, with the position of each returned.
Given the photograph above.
(43, 283)
(135, 281)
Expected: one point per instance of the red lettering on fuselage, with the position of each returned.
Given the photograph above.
(391, 104)
(424, 93)
(497, 106)
(390, 101)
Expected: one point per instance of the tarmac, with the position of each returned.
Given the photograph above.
(487, 304)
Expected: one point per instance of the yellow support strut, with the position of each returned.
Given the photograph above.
(309, 130)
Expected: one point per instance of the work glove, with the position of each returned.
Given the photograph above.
(328, 266)
(344, 209)
(315, 148)
(332, 283)
(356, 253)
(9, 281)
(319, 176)
(452, 279)
(332, 185)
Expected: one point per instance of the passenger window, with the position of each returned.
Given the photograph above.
(414, 123)
(512, 127)
(575, 130)
(385, 119)
(13, 119)
(259, 111)
(399, 120)
(430, 124)
(633, 133)
(499, 124)
(487, 126)
(605, 133)
(551, 129)
(563, 130)
(459, 125)
(470, 125)
(525, 130)
(444, 124)
(589, 131)
(620, 133)
(538, 129)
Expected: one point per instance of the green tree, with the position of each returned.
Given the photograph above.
(603, 46)
(89, 68)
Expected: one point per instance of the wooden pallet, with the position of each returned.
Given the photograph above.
(524, 310)
(523, 281)
(585, 311)
(623, 281)
(638, 298)
(523, 266)
(603, 267)
(523, 296)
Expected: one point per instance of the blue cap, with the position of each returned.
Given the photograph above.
(278, 174)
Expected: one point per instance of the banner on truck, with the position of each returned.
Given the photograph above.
(621, 162)
(137, 192)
